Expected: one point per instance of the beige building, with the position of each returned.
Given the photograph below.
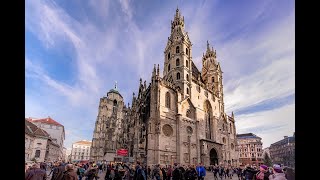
(179, 117)
(39, 145)
(29, 139)
(80, 150)
(55, 130)
(250, 149)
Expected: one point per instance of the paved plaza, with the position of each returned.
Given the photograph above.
(209, 176)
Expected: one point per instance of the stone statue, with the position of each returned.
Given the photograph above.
(205, 148)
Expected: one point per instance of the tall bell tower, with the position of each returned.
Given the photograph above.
(178, 56)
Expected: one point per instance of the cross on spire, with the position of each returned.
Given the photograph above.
(115, 86)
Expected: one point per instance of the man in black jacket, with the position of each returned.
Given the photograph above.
(249, 173)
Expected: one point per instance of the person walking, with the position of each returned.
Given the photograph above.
(80, 172)
(69, 174)
(201, 171)
(36, 173)
(58, 172)
(176, 173)
(277, 173)
(263, 173)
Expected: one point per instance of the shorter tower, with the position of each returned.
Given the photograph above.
(108, 135)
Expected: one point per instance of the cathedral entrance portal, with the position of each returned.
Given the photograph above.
(213, 157)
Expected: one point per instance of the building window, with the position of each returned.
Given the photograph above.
(37, 153)
(187, 63)
(212, 79)
(178, 75)
(178, 62)
(188, 114)
(187, 77)
(169, 56)
(168, 67)
(177, 49)
(252, 150)
(230, 128)
(187, 52)
(39, 143)
(245, 155)
(187, 90)
(168, 100)
(224, 140)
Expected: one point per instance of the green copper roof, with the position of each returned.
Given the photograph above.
(114, 91)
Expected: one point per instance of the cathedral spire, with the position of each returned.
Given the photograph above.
(208, 46)
(158, 70)
(178, 20)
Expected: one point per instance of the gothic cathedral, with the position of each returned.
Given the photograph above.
(177, 118)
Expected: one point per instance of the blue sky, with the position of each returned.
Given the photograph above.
(76, 50)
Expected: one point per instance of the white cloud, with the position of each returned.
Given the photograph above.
(270, 125)
(271, 82)
(125, 5)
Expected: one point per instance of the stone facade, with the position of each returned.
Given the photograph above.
(53, 151)
(109, 135)
(54, 129)
(283, 151)
(250, 149)
(29, 142)
(179, 117)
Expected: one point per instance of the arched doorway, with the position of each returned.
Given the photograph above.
(213, 157)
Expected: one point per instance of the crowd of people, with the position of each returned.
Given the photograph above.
(126, 171)
(253, 173)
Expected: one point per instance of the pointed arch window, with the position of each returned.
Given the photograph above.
(168, 67)
(212, 79)
(187, 63)
(169, 56)
(168, 100)
(114, 109)
(187, 51)
(177, 49)
(187, 77)
(187, 90)
(178, 62)
(178, 76)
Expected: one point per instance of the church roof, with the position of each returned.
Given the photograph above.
(195, 72)
(47, 120)
(32, 129)
(114, 91)
(247, 135)
(83, 142)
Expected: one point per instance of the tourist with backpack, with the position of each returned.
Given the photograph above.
(139, 173)
(156, 172)
(176, 173)
(80, 172)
